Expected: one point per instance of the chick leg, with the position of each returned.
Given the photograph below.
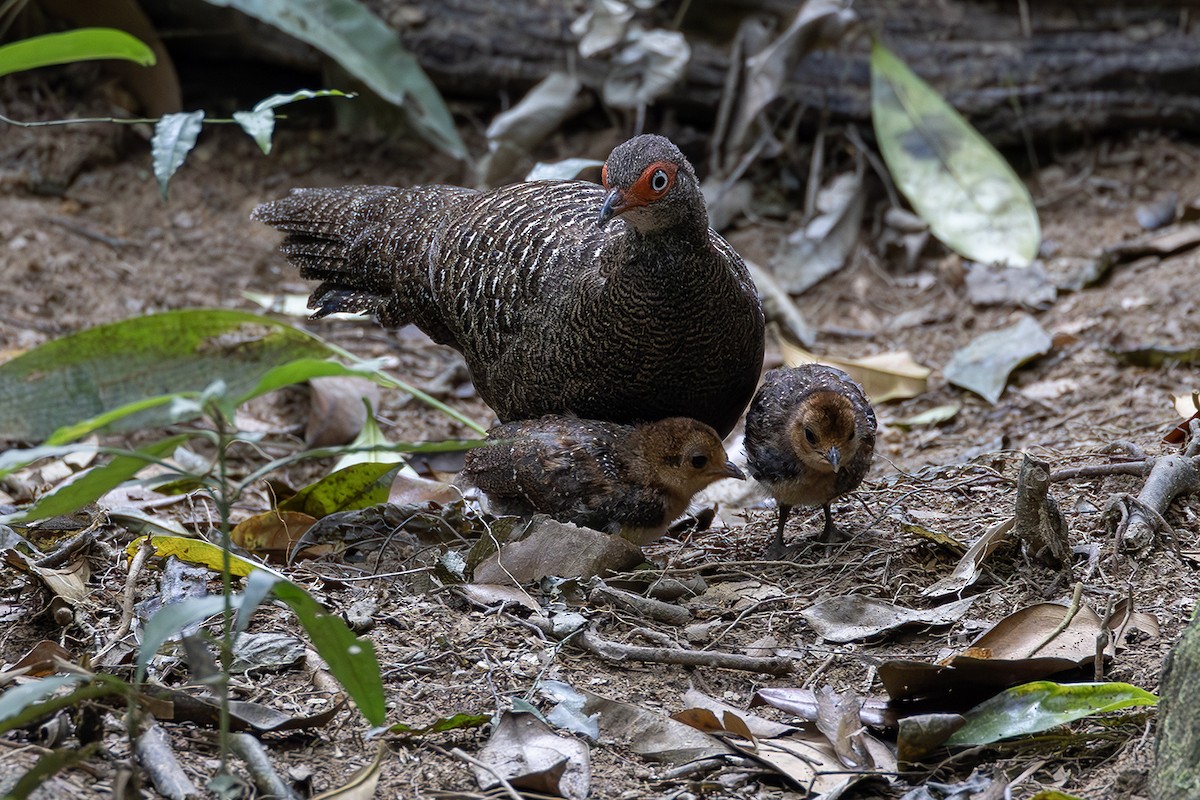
(831, 534)
(777, 549)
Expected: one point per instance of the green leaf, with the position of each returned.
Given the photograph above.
(368, 49)
(23, 695)
(84, 44)
(351, 659)
(451, 723)
(259, 122)
(95, 482)
(71, 433)
(1038, 706)
(371, 445)
(354, 487)
(93, 372)
(174, 137)
(170, 620)
(970, 196)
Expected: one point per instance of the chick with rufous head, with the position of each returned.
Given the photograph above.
(632, 480)
(810, 439)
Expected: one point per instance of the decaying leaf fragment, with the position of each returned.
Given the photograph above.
(886, 376)
(984, 364)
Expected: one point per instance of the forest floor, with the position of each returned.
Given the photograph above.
(103, 246)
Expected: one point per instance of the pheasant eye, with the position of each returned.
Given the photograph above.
(659, 180)
(810, 436)
(699, 462)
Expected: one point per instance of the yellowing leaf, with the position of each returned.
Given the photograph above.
(198, 551)
(956, 181)
(885, 376)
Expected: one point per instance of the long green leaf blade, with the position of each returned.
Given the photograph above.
(84, 44)
(351, 659)
(362, 43)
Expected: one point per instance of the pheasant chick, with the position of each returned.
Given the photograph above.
(632, 480)
(810, 438)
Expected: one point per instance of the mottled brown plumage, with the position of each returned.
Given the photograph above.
(628, 479)
(615, 303)
(810, 438)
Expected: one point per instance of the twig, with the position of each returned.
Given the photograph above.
(258, 764)
(617, 652)
(1139, 468)
(127, 602)
(645, 606)
(1072, 610)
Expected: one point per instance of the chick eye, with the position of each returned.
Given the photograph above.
(659, 180)
(699, 462)
(810, 436)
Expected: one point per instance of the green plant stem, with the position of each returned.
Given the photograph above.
(119, 120)
(414, 391)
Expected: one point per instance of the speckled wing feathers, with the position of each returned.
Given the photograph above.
(552, 312)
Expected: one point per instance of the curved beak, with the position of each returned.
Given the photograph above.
(614, 204)
(834, 457)
(730, 470)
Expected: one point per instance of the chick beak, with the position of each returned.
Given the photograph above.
(614, 204)
(730, 470)
(834, 457)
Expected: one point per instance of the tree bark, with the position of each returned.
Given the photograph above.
(1176, 773)
(1071, 68)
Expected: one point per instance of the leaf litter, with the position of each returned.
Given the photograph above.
(442, 654)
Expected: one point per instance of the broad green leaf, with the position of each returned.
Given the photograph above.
(1038, 706)
(170, 620)
(199, 551)
(174, 137)
(84, 44)
(351, 659)
(970, 196)
(354, 487)
(95, 371)
(368, 49)
(259, 122)
(20, 711)
(95, 482)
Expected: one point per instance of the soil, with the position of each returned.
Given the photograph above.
(86, 239)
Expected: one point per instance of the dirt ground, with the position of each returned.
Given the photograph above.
(102, 246)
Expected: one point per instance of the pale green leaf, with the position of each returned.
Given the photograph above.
(174, 137)
(1041, 705)
(970, 196)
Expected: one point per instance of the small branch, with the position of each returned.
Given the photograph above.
(1072, 610)
(1139, 468)
(1136, 521)
(617, 652)
(645, 606)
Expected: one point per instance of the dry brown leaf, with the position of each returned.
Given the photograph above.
(530, 755)
(272, 531)
(557, 549)
(40, 660)
(651, 734)
(967, 570)
(853, 616)
(886, 376)
(337, 413)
